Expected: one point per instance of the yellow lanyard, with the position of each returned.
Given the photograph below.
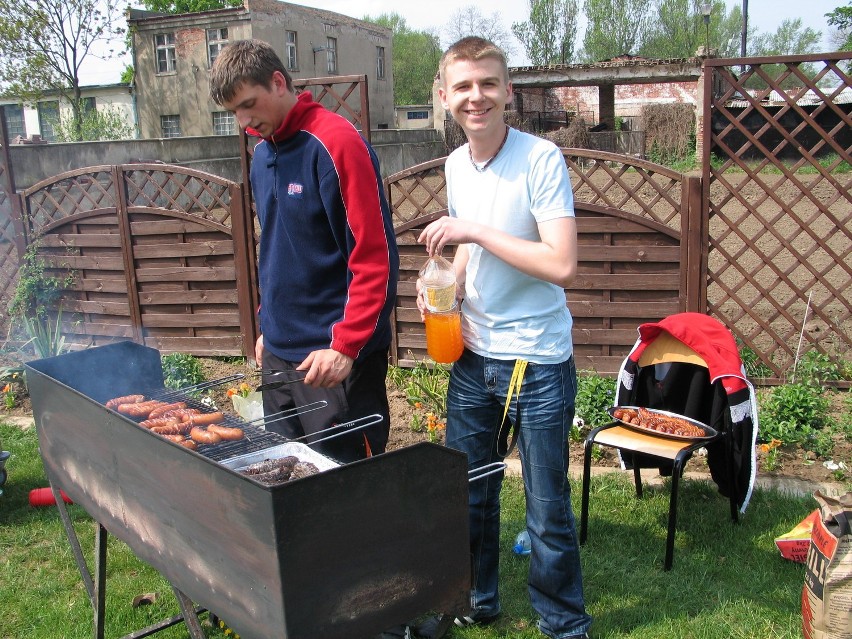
(504, 444)
(515, 384)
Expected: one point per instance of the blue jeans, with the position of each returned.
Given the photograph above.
(475, 399)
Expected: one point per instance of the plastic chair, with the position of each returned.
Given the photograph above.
(686, 364)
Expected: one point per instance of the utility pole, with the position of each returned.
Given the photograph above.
(745, 29)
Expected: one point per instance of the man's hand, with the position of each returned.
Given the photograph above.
(258, 352)
(326, 368)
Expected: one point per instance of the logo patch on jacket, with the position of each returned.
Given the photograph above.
(294, 189)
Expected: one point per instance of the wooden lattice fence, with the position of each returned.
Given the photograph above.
(155, 253)
(777, 180)
(634, 263)
(9, 231)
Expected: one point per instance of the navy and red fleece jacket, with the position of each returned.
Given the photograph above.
(328, 255)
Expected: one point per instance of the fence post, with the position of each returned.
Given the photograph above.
(694, 244)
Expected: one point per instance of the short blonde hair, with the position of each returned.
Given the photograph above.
(472, 48)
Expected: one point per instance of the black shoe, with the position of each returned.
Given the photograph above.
(437, 626)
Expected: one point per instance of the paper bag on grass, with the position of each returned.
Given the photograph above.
(827, 593)
(795, 543)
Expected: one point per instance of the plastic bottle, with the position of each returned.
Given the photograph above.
(439, 283)
(444, 342)
(522, 544)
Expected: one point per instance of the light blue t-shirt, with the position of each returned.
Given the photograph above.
(507, 314)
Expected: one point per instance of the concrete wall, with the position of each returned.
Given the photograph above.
(397, 150)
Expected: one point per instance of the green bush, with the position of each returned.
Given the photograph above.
(594, 395)
(181, 370)
(753, 366)
(793, 414)
(816, 368)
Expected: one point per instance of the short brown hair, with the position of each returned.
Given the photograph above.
(472, 48)
(252, 61)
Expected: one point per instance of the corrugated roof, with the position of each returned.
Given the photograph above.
(809, 98)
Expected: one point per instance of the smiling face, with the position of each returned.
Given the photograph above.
(476, 92)
(262, 108)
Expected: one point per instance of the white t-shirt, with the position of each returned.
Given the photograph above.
(507, 314)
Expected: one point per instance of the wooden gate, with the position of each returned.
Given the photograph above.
(777, 178)
(155, 252)
(640, 251)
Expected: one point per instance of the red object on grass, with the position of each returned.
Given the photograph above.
(44, 497)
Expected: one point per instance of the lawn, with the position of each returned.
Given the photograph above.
(727, 580)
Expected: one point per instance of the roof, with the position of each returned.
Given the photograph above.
(808, 98)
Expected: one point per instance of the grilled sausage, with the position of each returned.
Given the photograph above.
(170, 429)
(160, 411)
(127, 399)
(203, 419)
(138, 409)
(188, 443)
(158, 422)
(177, 439)
(203, 437)
(227, 433)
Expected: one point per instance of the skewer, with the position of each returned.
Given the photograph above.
(197, 388)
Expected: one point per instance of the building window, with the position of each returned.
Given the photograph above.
(292, 57)
(216, 41)
(417, 115)
(170, 126)
(15, 124)
(164, 43)
(380, 63)
(88, 105)
(223, 123)
(331, 53)
(48, 116)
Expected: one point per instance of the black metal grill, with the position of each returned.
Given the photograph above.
(342, 554)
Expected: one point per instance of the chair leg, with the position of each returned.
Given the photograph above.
(677, 471)
(584, 501)
(637, 478)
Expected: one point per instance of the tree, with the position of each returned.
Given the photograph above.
(841, 19)
(43, 44)
(789, 39)
(678, 30)
(416, 55)
(188, 6)
(469, 21)
(106, 123)
(551, 31)
(615, 27)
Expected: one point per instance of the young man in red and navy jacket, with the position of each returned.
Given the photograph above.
(328, 262)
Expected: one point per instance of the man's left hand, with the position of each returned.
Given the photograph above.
(326, 368)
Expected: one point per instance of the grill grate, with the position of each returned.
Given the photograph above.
(255, 439)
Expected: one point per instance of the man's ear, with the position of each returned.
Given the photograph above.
(510, 94)
(442, 95)
(279, 82)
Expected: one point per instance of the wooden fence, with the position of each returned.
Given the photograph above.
(637, 226)
(777, 181)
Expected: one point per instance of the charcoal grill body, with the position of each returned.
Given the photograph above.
(341, 554)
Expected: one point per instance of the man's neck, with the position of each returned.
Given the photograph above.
(484, 145)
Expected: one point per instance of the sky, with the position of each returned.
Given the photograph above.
(765, 15)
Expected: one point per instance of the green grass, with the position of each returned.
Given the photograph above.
(727, 580)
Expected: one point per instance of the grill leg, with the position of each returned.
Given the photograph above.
(189, 617)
